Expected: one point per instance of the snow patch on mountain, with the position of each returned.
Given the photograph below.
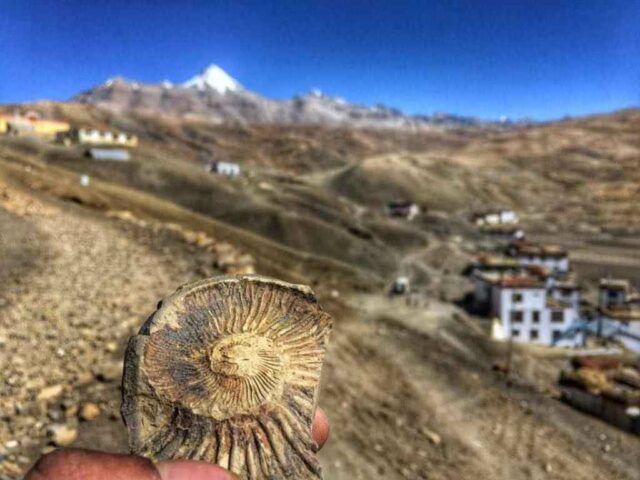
(214, 78)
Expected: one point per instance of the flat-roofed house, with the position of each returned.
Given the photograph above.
(228, 169)
(627, 317)
(524, 310)
(495, 217)
(498, 264)
(31, 125)
(93, 136)
(553, 257)
(618, 323)
(112, 154)
(518, 302)
(20, 127)
(613, 291)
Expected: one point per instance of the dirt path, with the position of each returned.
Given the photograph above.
(424, 403)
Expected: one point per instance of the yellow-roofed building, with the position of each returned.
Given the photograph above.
(31, 125)
(4, 124)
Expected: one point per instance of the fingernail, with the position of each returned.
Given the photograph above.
(188, 470)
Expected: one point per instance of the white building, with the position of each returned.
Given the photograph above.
(499, 265)
(112, 154)
(525, 311)
(225, 168)
(498, 217)
(617, 318)
(613, 291)
(93, 136)
(552, 257)
(626, 316)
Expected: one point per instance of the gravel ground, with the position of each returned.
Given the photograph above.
(74, 286)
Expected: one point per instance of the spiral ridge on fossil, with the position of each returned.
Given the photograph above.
(227, 371)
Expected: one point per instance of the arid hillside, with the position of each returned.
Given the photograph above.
(409, 387)
(570, 174)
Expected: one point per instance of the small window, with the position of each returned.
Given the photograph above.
(556, 335)
(535, 316)
(516, 297)
(534, 335)
(515, 332)
(516, 316)
(557, 316)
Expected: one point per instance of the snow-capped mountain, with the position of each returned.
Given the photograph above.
(215, 78)
(215, 96)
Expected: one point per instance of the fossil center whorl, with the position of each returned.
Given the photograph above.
(247, 370)
(244, 356)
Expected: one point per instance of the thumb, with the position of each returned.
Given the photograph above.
(190, 470)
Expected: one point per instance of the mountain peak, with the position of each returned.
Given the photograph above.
(214, 78)
(215, 96)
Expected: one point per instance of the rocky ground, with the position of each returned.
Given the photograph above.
(75, 285)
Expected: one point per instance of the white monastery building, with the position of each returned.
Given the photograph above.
(526, 311)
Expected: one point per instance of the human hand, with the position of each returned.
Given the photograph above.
(75, 464)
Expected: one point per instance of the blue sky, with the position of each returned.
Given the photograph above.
(530, 58)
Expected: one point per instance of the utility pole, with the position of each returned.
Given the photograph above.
(509, 354)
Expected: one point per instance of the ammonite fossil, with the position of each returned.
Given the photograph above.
(227, 371)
